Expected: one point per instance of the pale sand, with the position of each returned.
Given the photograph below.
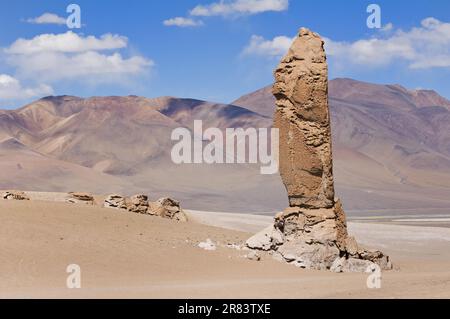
(135, 256)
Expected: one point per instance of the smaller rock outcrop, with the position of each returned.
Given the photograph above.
(115, 201)
(164, 207)
(168, 208)
(15, 195)
(353, 265)
(267, 239)
(80, 198)
(138, 204)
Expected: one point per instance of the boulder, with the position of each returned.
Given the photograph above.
(357, 265)
(310, 256)
(115, 201)
(377, 257)
(79, 197)
(267, 239)
(15, 195)
(168, 208)
(137, 204)
(343, 264)
(164, 207)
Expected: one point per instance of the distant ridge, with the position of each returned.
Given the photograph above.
(391, 147)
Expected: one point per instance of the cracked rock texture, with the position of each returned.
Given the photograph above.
(302, 115)
(312, 232)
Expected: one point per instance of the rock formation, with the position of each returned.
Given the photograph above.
(15, 195)
(312, 232)
(164, 207)
(168, 208)
(115, 201)
(138, 204)
(302, 115)
(78, 197)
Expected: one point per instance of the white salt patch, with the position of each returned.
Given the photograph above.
(207, 245)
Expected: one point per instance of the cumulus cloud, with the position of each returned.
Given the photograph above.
(88, 66)
(47, 18)
(68, 56)
(245, 7)
(12, 89)
(68, 42)
(388, 27)
(276, 47)
(226, 8)
(422, 47)
(182, 22)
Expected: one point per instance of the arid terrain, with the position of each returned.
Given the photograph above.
(225, 149)
(390, 146)
(391, 166)
(127, 255)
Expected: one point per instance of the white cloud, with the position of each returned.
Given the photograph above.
(388, 27)
(370, 52)
(69, 56)
(87, 66)
(12, 89)
(245, 7)
(182, 22)
(422, 47)
(47, 18)
(276, 47)
(227, 8)
(68, 42)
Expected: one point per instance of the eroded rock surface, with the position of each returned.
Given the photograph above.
(164, 207)
(115, 201)
(15, 195)
(168, 208)
(302, 116)
(79, 197)
(312, 232)
(138, 204)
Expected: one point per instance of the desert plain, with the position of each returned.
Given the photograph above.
(128, 255)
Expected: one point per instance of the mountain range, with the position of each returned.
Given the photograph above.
(391, 149)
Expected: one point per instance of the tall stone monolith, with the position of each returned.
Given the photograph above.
(312, 232)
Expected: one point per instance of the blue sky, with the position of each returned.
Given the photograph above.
(225, 51)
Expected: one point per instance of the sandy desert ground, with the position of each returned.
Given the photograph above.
(126, 255)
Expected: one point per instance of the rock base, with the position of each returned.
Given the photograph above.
(316, 239)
